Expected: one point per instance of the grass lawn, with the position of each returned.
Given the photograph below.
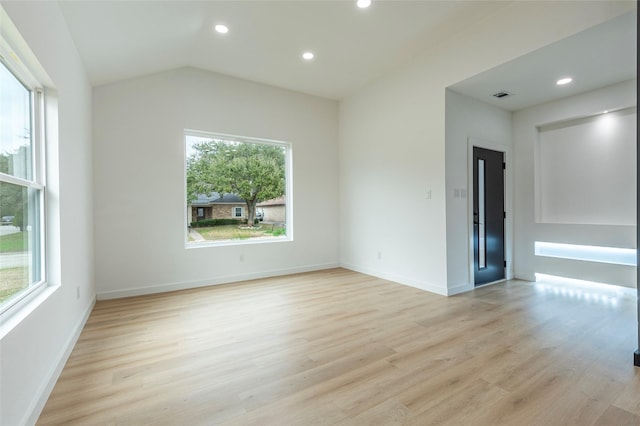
(233, 232)
(14, 242)
(12, 280)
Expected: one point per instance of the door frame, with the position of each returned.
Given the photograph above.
(508, 205)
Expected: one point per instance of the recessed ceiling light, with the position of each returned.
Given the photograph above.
(222, 29)
(564, 81)
(308, 56)
(363, 4)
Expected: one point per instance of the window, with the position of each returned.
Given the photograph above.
(237, 189)
(22, 187)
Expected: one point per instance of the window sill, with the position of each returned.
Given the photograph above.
(224, 243)
(16, 314)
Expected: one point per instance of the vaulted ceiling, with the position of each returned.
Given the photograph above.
(352, 46)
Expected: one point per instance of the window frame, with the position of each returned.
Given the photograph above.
(234, 212)
(288, 169)
(37, 180)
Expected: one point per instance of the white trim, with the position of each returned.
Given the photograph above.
(13, 62)
(508, 206)
(400, 279)
(288, 196)
(235, 138)
(225, 279)
(43, 393)
(234, 211)
(238, 242)
(188, 213)
(24, 306)
(460, 288)
(19, 301)
(288, 160)
(14, 180)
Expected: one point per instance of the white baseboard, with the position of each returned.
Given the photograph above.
(227, 279)
(44, 392)
(422, 285)
(523, 276)
(460, 288)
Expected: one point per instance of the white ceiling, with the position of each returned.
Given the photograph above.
(353, 47)
(594, 58)
(124, 39)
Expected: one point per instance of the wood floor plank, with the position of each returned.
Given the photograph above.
(339, 347)
(628, 399)
(388, 413)
(619, 417)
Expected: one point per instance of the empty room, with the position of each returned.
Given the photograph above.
(318, 212)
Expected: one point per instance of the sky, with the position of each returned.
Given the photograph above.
(14, 112)
(194, 140)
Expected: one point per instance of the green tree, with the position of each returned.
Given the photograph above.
(254, 172)
(13, 203)
(13, 198)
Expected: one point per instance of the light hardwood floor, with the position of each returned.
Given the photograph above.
(339, 347)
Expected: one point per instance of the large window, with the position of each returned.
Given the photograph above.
(21, 188)
(236, 189)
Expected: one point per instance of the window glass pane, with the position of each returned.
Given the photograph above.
(15, 126)
(482, 241)
(19, 239)
(250, 175)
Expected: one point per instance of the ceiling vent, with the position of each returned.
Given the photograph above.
(501, 95)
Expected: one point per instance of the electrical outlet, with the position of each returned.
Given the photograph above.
(242, 258)
(379, 255)
(78, 293)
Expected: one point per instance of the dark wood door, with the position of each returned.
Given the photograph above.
(488, 216)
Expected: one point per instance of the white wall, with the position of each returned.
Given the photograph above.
(34, 351)
(586, 168)
(392, 140)
(139, 179)
(490, 127)
(528, 229)
(392, 172)
(392, 184)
